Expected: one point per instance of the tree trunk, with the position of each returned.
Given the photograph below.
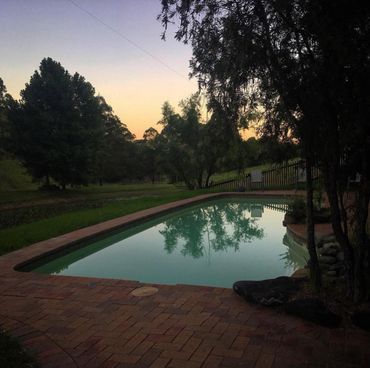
(361, 242)
(210, 172)
(207, 180)
(315, 271)
(331, 179)
(200, 179)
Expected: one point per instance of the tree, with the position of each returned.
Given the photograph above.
(311, 78)
(5, 102)
(150, 135)
(150, 154)
(193, 149)
(114, 152)
(57, 125)
(179, 136)
(215, 145)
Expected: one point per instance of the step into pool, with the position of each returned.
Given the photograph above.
(213, 243)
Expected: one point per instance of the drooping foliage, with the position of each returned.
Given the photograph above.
(305, 64)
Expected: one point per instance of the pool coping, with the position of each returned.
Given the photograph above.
(16, 260)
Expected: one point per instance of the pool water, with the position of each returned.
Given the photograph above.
(214, 243)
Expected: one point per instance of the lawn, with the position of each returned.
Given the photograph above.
(23, 234)
(28, 215)
(228, 175)
(14, 177)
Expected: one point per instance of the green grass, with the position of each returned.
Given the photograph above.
(14, 177)
(216, 178)
(105, 191)
(20, 236)
(16, 188)
(29, 215)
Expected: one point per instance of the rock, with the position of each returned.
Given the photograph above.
(314, 310)
(328, 252)
(269, 292)
(340, 256)
(361, 318)
(324, 267)
(327, 259)
(335, 266)
(329, 238)
(326, 239)
(331, 245)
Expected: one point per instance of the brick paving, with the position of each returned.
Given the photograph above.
(89, 322)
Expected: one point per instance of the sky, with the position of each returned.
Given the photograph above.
(134, 80)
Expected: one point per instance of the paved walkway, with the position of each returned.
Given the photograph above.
(86, 322)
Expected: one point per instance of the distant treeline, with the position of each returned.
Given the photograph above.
(64, 134)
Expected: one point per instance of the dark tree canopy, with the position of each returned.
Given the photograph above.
(5, 102)
(306, 65)
(3, 116)
(114, 152)
(57, 125)
(194, 150)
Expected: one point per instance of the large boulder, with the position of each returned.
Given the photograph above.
(269, 292)
(313, 310)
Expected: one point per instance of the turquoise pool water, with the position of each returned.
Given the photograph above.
(214, 243)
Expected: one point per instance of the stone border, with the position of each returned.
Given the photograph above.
(15, 261)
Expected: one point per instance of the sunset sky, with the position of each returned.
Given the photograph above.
(134, 83)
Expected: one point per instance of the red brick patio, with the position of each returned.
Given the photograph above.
(86, 322)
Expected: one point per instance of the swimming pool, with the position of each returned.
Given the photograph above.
(213, 243)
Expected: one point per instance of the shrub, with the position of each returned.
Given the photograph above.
(297, 209)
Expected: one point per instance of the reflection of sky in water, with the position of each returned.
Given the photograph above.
(214, 243)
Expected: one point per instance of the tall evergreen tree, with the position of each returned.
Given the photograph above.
(57, 125)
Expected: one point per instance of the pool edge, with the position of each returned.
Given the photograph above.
(14, 261)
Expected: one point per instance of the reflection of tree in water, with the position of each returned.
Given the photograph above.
(218, 227)
(296, 255)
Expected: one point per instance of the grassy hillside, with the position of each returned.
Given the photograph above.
(14, 177)
(234, 173)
